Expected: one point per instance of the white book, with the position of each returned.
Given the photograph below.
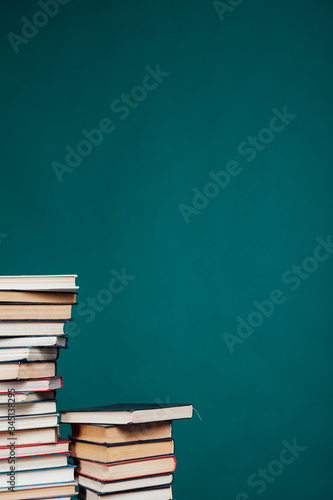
(32, 463)
(31, 328)
(32, 450)
(30, 422)
(50, 283)
(12, 354)
(28, 397)
(39, 477)
(124, 485)
(38, 408)
(51, 341)
(31, 385)
(157, 494)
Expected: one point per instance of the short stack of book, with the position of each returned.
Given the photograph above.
(124, 452)
(33, 458)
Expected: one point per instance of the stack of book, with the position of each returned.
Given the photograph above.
(124, 452)
(33, 458)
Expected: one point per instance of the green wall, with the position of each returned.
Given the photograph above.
(198, 264)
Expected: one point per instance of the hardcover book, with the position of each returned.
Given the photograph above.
(127, 414)
(53, 341)
(31, 328)
(33, 450)
(21, 370)
(147, 494)
(41, 477)
(108, 453)
(28, 297)
(105, 487)
(127, 469)
(104, 433)
(60, 491)
(42, 312)
(31, 436)
(47, 283)
(19, 354)
(32, 385)
(29, 422)
(32, 463)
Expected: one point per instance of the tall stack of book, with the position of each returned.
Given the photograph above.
(124, 452)
(33, 458)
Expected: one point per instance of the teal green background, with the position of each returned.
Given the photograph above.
(161, 338)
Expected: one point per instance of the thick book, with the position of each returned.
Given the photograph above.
(104, 488)
(47, 283)
(29, 422)
(33, 450)
(122, 414)
(10, 371)
(31, 328)
(62, 491)
(112, 434)
(32, 385)
(50, 341)
(8, 354)
(42, 312)
(147, 494)
(31, 436)
(127, 469)
(108, 453)
(28, 397)
(39, 477)
(32, 463)
(26, 297)
(37, 408)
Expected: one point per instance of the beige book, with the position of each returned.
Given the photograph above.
(23, 370)
(122, 433)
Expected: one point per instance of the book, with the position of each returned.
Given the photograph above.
(28, 397)
(30, 422)
(63, 491)
(42, 312)
(32, 328)
(119, 453)
(121, 414)
(36, 408)
(31, 436)
(104, 488)
(27, 297)
(110, 434)
(39, 477)
(151, 494)
(47, 283)
(32, 463)
(126, 469)
(9, 371)
(33, 450)
(49, 341)
(8, 354)
(32, 385)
